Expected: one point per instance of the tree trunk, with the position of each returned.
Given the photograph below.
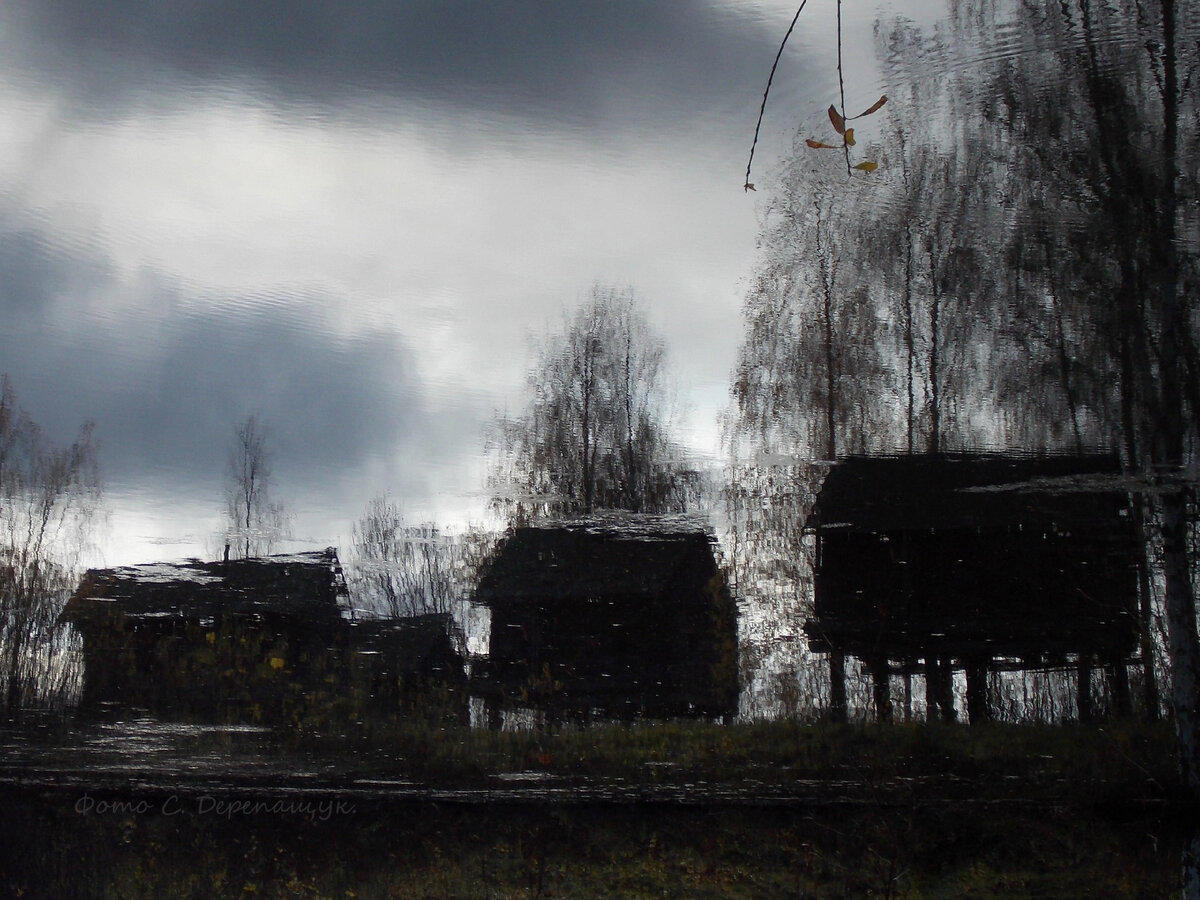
(1150, 696)
(935, 409)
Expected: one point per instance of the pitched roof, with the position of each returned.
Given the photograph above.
(970, 490)
(301, 584)
(592, 557)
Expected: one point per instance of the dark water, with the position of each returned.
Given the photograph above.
(906, 434)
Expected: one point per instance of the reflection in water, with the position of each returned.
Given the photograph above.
(981, 292)
(258, 640)
(1021, 591)
(1013, 282)
(974, 563)
(611, 617)
(1019, 276)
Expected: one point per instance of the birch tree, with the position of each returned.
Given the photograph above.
(596, 432)
(255, 521)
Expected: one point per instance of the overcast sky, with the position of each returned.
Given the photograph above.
(350, 218)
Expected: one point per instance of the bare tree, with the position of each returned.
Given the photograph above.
(1062, 292)
(48, 497)
(255, 522)
(595, 435)
(1123, 91)
(810, 375)
(400, 570)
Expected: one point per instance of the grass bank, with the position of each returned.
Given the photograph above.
(920, 811)
(180, 849)
(1043, 761)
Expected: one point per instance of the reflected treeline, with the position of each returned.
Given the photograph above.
(48, 497)
(1001, 280)
(1020, 274)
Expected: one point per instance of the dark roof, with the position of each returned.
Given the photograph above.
(977, 491)
(593, 557)
(300, 584)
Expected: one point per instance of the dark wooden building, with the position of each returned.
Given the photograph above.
(252, 640)
(409, 667)
(969, 561)
(610, 616)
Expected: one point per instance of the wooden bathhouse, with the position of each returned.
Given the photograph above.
(252, 640)
(615, 616)
(973, 561)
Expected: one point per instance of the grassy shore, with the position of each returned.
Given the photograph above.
(1046, 762)
(919, 811)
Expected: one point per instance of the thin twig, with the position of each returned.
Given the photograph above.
(842, 85)
(762, 109)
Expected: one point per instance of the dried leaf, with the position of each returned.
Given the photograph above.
(748, 187)
(874, 107)
(867, 166)
(817, 145)
(848, 137)
(839, 123)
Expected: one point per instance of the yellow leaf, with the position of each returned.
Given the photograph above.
(276, 662)
(817, 145)
(848, 137)
(874, 107)
(867, 166)
(839, 123)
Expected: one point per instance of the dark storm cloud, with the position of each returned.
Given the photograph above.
(165, 383)
(536, 60)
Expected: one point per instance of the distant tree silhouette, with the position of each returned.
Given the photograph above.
(255, 522)
(48, 497)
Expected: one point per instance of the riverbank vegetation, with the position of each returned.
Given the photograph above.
(765, 810)
(1125, 761)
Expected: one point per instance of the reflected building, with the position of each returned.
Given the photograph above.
(610, 616)
(973, 562)
(256, 640)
